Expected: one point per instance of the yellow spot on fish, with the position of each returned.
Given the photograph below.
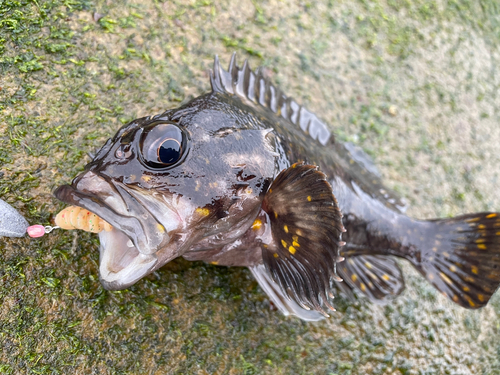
(146, 178)
(469, 279)
(466, 289)
(446, 254)
(491, 216)
(473, 220)
(203, 211)
(480, 297)
(270, 190)
(474, 269)
(257, 224)
(286, 228)
(362, 286)
(370, 284)
(434, 249)
(480, 240)
(471, 303)
(275, 215)
(295, 244)
(214, 263)
(299, 232)
(295, 238)
(455, 298)
(368, 265)
(497, 233)
(482, 246)
(275, 255)
(453, 269)
(481, 226)
(309, 198)
(249, 191)
(386, 277)
(292, 250)
(284, 244)
(445, 278)
(161, 228)
(354, 278)
(294, 165)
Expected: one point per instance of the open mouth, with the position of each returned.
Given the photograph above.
(128, 251)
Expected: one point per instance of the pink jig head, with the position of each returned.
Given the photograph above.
(35, 231)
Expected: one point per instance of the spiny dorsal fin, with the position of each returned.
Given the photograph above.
(254, 87)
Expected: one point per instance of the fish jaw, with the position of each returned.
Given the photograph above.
(129, 251)
(120, 263)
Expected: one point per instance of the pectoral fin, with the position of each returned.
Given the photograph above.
(301, 244)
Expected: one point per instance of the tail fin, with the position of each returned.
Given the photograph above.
(463, 262)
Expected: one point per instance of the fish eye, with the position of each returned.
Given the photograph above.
(162, 145)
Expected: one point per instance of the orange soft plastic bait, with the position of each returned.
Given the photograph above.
(74, 217)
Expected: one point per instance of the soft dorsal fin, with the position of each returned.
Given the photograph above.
(257, 89)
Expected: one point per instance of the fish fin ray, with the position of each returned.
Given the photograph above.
(305, 224)
(286, 305)
(464, 263)
(258, 90)
(377, 277)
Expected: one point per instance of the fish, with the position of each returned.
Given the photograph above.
(245, 176)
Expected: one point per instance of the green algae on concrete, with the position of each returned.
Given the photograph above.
(413, 82)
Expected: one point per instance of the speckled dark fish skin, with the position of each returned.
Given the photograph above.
(256, 180)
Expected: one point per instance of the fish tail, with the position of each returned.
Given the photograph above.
(463, 261)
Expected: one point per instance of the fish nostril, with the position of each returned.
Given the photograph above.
(123, 151)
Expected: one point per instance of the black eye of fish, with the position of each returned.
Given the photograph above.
(162, 145)
(170, 151)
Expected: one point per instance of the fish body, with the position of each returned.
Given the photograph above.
(245, 176)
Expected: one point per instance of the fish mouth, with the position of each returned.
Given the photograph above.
(129, 251)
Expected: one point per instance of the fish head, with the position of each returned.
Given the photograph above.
(193, 177)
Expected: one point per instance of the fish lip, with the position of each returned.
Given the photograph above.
(121, 264)
(70, 195)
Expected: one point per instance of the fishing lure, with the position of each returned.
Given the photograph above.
(74, 217)
(13, 224)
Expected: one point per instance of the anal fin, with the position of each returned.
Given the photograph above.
(377, 277)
